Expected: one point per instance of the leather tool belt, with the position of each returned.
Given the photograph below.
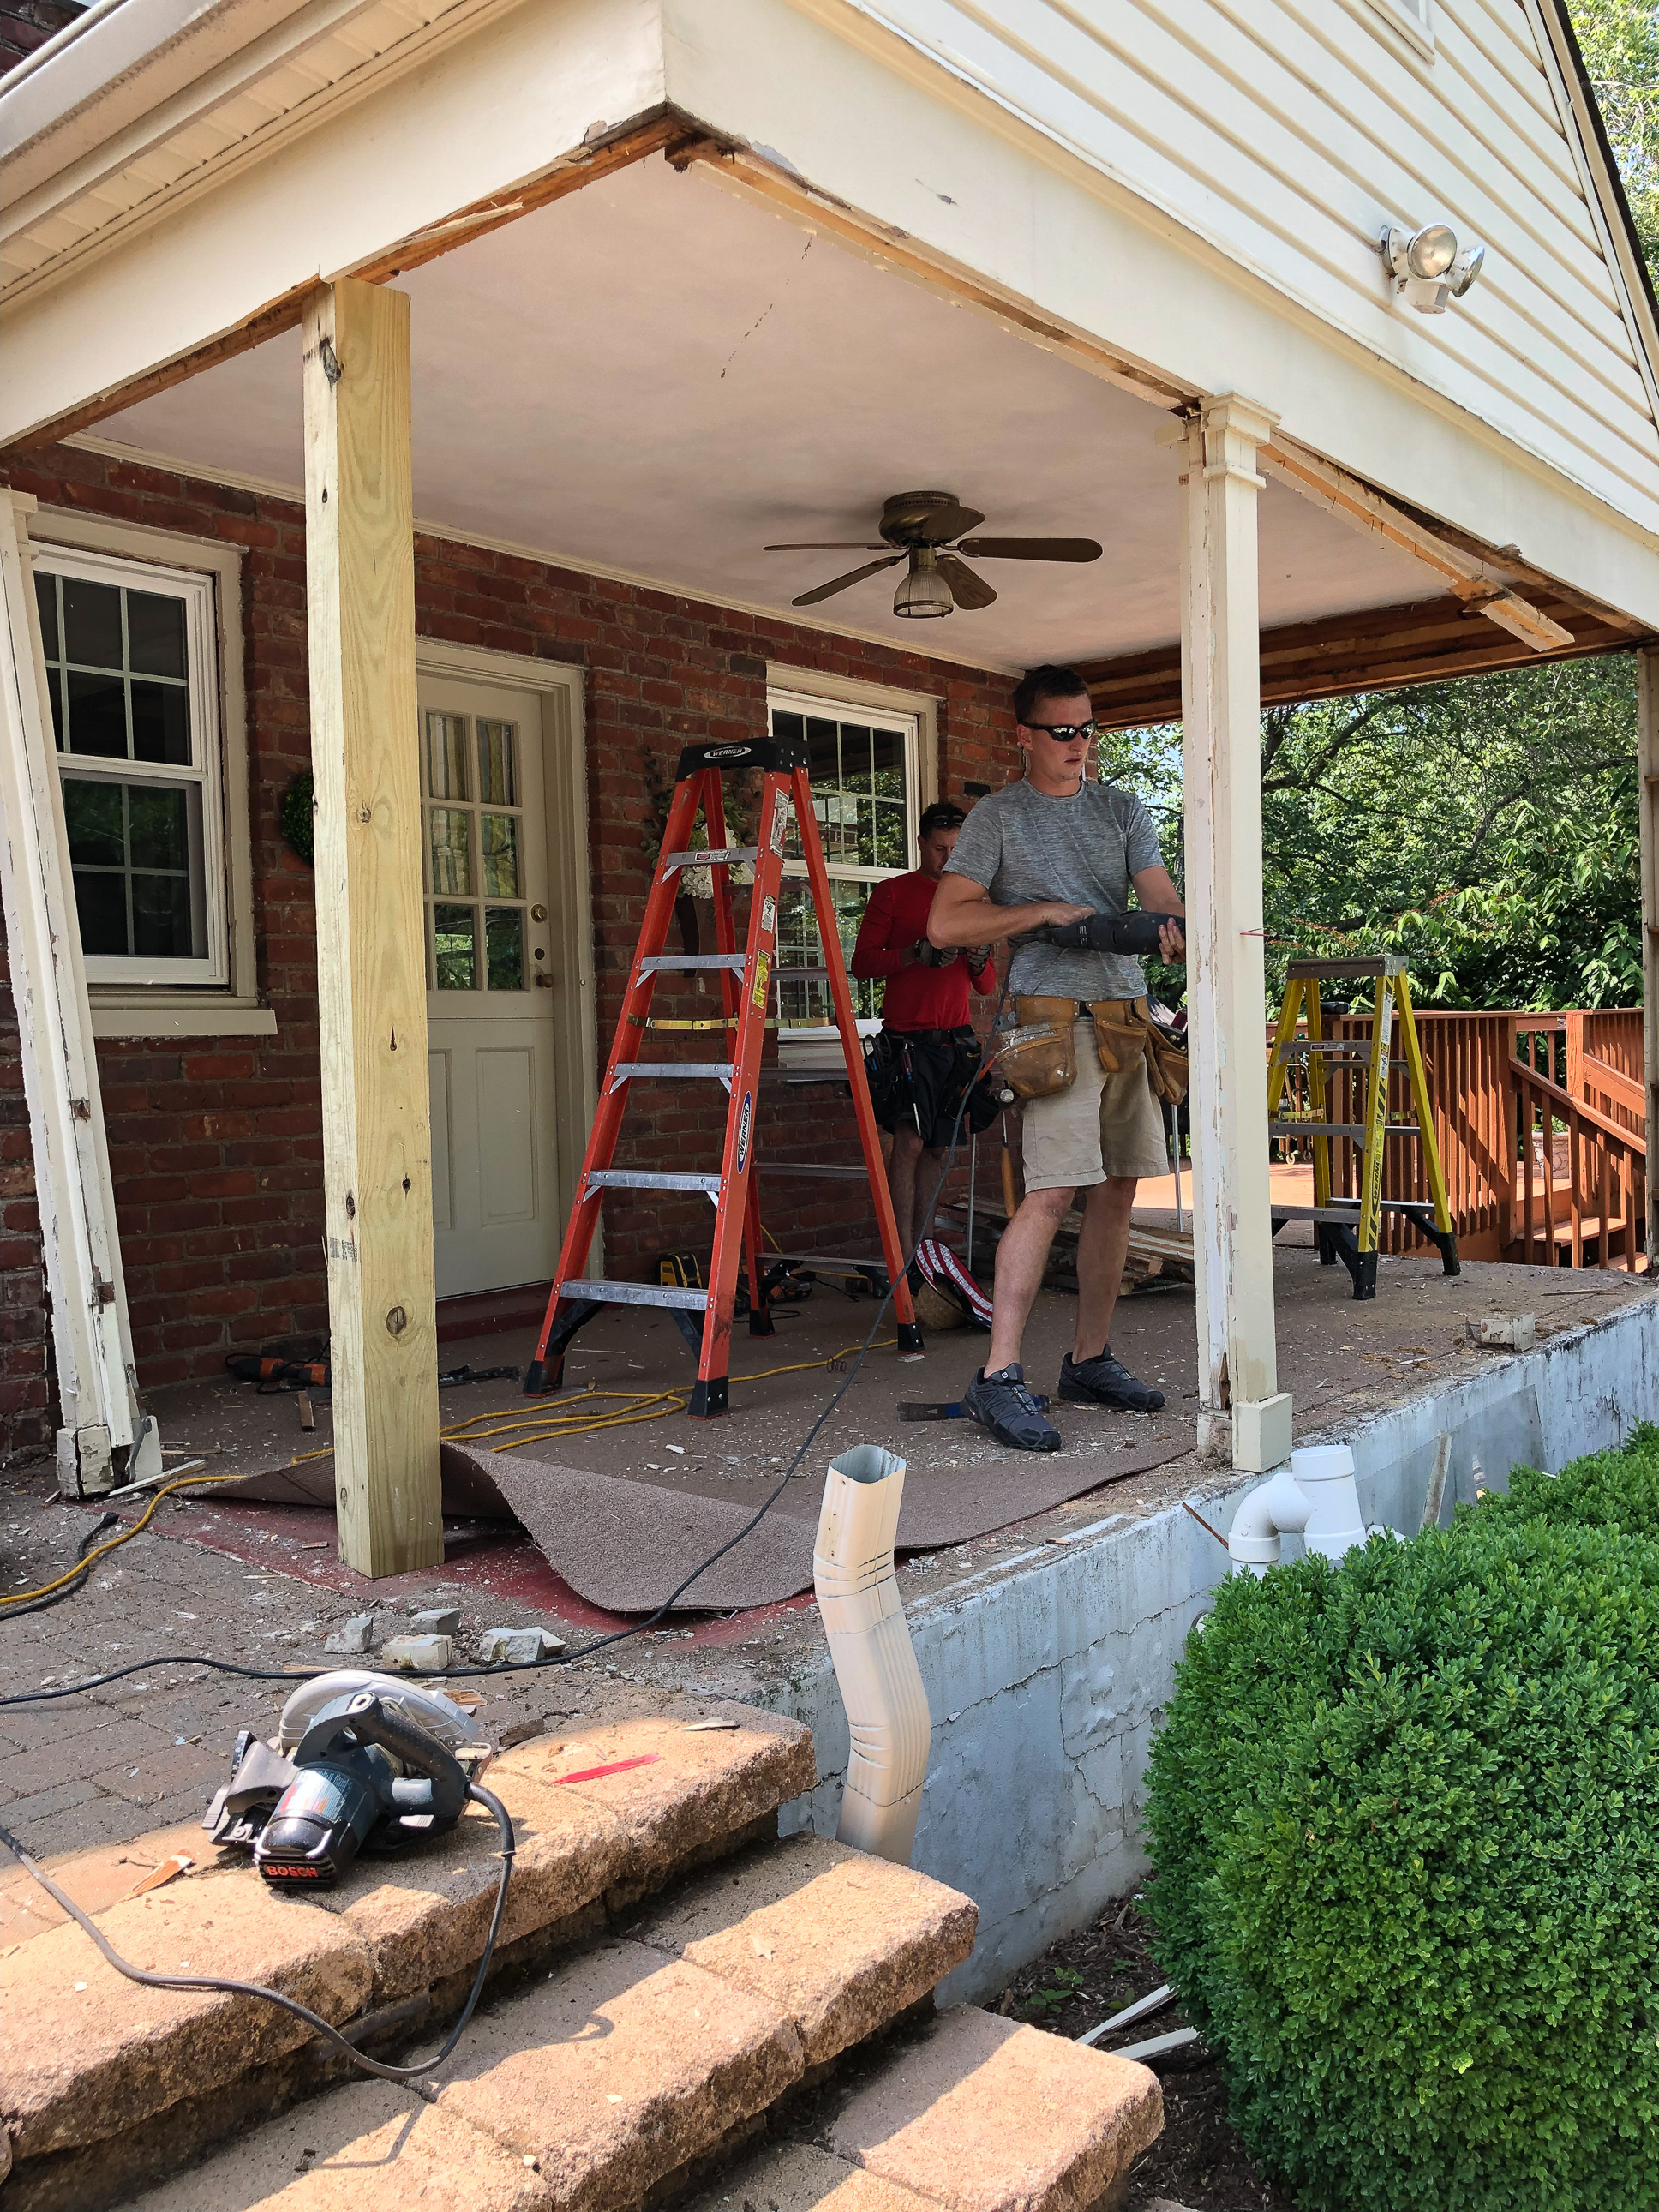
(1039, 1057)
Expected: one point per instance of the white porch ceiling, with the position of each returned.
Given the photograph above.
(655, 377)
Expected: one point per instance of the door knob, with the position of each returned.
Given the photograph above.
(543, 981)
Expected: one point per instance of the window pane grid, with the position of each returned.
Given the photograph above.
(860, 773)
(476, 918)
(133, 723)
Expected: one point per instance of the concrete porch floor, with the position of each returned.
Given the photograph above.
(261, 1583)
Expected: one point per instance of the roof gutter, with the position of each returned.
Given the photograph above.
(121, 60)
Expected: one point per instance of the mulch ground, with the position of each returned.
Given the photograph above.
(1198, 2161)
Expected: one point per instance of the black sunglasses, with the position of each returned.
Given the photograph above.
(1063, 732)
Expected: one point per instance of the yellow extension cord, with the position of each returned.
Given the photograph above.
(541, 1428)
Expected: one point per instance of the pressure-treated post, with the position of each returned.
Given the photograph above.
(1242, 1412)
(371, 954)
(1647, 748)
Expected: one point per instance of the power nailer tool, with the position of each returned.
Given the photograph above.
(361, 1762)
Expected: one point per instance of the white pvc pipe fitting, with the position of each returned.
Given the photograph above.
(1317, 1498)
(870, 1645)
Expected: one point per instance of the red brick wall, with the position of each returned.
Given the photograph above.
(216, 1145)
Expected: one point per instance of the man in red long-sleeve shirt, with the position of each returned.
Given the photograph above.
(923, 1013)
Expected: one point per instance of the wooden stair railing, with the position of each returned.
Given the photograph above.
(1605, 1186)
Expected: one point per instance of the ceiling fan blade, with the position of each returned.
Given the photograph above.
(839, 583)
(967, 589)
(945, 523)
(833, 545)
(1031, 548)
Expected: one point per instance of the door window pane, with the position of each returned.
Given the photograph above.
(446, 756)
(451, 833)
(470, 766)
(504, 947)
(500, 848)
(497, 768)
(454, 940)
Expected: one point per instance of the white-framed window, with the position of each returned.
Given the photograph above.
(133, 670)
(864, 763)
(1415, 18)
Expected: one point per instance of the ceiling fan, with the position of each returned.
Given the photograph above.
(926, 530)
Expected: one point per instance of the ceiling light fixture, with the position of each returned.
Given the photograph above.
(1427, 265)
(924, 594)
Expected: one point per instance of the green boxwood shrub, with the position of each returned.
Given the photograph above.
(1405, 1818)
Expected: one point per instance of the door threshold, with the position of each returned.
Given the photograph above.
(491, 1313)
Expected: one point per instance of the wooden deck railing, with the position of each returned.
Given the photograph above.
(1540, 1124)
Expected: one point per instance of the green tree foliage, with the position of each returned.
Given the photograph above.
(1620, 41)
(1405, 1816)
(1488, 829)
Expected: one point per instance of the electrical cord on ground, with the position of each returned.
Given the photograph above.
(54, 1593)
(565, 1658)
(325, 2028)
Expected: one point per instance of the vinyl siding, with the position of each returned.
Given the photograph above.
(1288, 132)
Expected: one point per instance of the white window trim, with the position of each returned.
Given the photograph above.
(805, 691)
(232, 1008)
(1413, 20)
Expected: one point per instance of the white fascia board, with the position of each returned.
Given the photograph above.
(117, 71)
(474, 120)
(823, 89)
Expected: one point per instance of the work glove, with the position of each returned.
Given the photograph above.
(978, 955)
(936, 955)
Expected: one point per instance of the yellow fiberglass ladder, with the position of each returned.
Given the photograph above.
(1350, 1229)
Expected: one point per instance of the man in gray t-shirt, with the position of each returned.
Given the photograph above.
(1049, 850)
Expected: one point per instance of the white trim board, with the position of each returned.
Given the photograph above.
(272, 487)
(133, 541)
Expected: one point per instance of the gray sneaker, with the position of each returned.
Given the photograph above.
(1106, 1381)
(1013, 1415)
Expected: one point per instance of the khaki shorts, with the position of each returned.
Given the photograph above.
(1103, 1125)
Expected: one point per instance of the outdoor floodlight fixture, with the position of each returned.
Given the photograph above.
(924, 594)
(1428, 266)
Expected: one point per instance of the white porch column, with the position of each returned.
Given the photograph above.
(1241, 1412)
(1647, 761)
(371, 933)
(91, 1340)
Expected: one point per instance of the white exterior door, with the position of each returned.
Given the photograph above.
(492, 1004)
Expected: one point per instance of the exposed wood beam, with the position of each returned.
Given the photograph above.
(1464, 574)
(661, 131)
(896, 250)
(371, 931)
(1383, 650)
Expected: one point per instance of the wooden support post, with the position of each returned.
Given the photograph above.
(103, 1429)
(371, 950)
(1647, 750)
(1241, 1412)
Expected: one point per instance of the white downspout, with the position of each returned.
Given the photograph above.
(1315, 1498)
(875, 1666)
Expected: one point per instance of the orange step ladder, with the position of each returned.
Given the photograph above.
(746, 981)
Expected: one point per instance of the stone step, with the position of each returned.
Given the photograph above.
(642, 2065)
(629, 2063)
(86, 2056)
